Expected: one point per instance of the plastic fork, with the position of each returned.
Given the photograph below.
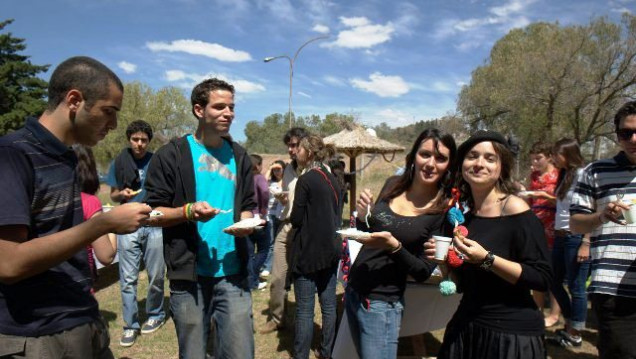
(366, 217)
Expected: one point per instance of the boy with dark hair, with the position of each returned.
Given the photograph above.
(203, 184)
(46, 306)
(126, 179)
(282, 242)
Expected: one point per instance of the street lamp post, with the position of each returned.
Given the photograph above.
(291, 70)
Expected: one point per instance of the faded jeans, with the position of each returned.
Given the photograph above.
(374, 325)
(228, 301)
(146, 242)
(305, 288)
(274, 226)
(565, 266)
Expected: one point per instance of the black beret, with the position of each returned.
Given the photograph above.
(480, 136)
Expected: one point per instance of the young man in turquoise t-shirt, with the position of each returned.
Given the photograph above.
(202, 183)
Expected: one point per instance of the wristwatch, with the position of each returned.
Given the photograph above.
(487, 263)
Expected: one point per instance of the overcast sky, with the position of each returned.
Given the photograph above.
(384, 61)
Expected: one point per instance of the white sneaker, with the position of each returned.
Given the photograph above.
(262, 285)
(265, 273)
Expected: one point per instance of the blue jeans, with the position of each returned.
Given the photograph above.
(566, 267)
(146, 242)
(259, 240)
(273, 226)
(374, 324)
(305, 287)
(228, 301)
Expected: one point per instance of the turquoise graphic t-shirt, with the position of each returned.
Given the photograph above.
(215, 178)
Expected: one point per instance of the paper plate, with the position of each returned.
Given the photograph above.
(245, 223)
(353, 233)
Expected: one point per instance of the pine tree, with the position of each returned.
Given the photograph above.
(21, 92)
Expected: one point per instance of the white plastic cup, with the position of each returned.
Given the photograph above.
(630, 214)
(441, 246)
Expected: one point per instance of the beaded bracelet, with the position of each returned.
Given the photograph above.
(190, 212)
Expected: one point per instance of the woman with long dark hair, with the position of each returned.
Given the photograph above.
(505, 257)
(315, 248)
(408, 212)
(571, 252)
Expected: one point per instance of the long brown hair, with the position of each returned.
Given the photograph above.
(402, 183)
(570, 150)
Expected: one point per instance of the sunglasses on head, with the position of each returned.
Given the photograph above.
(625, 134)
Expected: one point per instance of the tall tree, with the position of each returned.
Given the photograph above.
(21, 92)
(167, 110)
(546, 81)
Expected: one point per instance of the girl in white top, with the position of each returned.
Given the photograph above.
(571, 252)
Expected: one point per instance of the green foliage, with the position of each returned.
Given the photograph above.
(21, 92)
(547, 81)
(267, 136)
(167, 110)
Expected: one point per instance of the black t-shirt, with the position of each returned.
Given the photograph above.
(41, 192)
(489, 300)
(377, 274)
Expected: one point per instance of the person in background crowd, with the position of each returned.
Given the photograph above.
(203, 183)
(274, 177)
(105, 247)
(126, 178)
(46, 305)
(543, 181)
(259, 240)
(315, 248)
(280, 266)
(409, 211)
(505, 256)
(571, 252)
(603, 191)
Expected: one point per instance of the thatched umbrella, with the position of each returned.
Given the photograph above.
(354, 142)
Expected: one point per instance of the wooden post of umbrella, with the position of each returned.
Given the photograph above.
(352, 190)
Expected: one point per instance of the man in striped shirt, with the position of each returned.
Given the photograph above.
(46, 306)
(605, 188)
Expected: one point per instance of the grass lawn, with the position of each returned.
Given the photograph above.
(163, 343)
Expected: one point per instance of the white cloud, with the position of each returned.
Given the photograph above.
(175, 75)
(622, 10)
(127, 67)
(383, 86)
(196, 47)
(321, 29)
(361, 34)
(189, 80)
(332, 80)
(507, 16)
(303, 94)
(354, 21)
(513, 7)
(395, 118)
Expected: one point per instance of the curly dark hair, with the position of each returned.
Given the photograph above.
(627, 109)
(297, 132)
(201, 92)
(82, 73)
(139, 126)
